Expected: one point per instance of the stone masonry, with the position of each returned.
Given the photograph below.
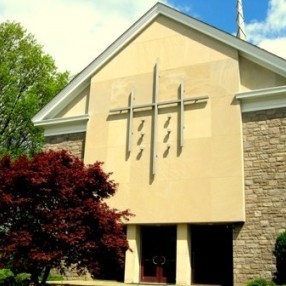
(72, 142)
(264, 136)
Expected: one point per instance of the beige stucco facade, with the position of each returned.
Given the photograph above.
(203, 180)
(183, 165)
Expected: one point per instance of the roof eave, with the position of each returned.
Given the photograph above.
(245, 49)
(66, 125)
(262, 99)
(83, 78)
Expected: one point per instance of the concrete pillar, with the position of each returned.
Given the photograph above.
(132, 259)
(183, 267)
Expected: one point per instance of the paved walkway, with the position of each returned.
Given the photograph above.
(87, 282)
(103, 283)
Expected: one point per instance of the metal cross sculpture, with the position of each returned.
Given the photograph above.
(154, 105)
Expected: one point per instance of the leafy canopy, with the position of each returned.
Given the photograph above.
(54, 215)
(28, 81)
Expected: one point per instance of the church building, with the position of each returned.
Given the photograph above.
(191, 121)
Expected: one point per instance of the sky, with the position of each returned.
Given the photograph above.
(75, 32)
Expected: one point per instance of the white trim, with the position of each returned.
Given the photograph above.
(262, 99)
(255, 54)
(62, 99)
(247, 50)
(66, 125)
(83, 77)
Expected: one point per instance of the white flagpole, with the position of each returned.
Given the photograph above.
(240, 21)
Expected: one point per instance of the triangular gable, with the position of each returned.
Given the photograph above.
(46, 116)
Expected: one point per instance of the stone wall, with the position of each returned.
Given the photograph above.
(73, 142)
(264, 135)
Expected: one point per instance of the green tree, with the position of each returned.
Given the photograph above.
(28, 80)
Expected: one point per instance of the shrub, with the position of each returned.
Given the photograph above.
(55, 277)
(280, 247)
(280, 254)
(5, 275)
(260, 282)
(23, 278)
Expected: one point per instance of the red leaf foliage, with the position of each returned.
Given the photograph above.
(53, 211)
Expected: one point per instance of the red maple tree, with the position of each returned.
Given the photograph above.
(53, 215)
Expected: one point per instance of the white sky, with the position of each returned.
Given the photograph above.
(74, 32)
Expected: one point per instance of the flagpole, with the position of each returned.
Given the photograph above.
(240, 21)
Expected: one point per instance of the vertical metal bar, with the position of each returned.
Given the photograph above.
(155, 118)
(182, 119)
(130, 120)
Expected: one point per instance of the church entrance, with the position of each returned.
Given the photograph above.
(158, 254)
(212, 254)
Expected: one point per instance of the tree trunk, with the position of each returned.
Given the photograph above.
(46, 275)
(35, 278)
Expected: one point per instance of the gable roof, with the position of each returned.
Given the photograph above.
(82, 80)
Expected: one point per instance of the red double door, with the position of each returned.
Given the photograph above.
(158, 254)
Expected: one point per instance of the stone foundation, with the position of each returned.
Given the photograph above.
(72, 142)
(264, 136)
